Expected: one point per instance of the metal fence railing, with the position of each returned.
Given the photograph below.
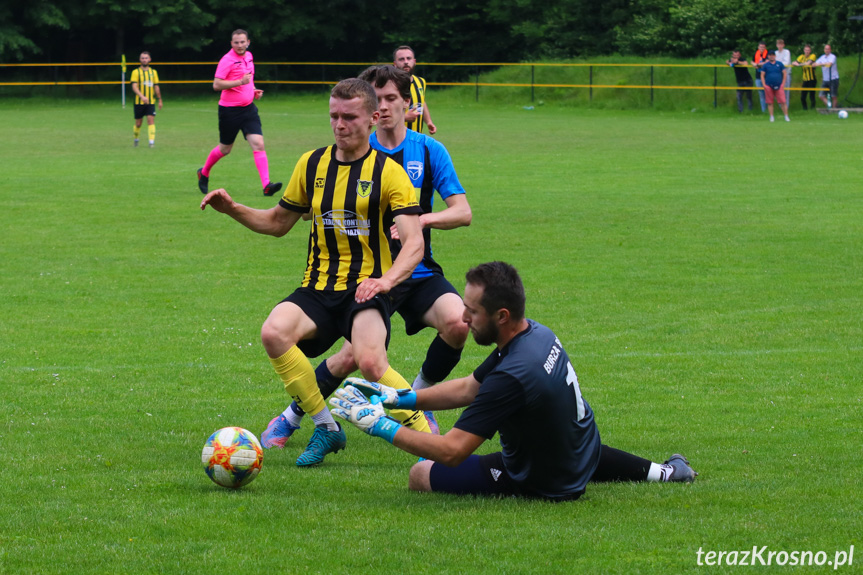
(327, 73)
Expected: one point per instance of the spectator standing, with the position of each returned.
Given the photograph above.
(743, 77)
(806, 60)
(773, 76)
(757, 60)
(830, 76)
(784, 55)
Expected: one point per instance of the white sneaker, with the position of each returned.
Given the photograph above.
(772, 119)
(787, 119)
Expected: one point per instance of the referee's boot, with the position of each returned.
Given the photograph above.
(272, 188)
(203, 182)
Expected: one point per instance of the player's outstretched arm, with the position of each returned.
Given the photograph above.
(275, 221)
(450, 449)
(450, 394)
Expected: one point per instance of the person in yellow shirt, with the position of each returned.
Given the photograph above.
(145, 84)
(806, 60)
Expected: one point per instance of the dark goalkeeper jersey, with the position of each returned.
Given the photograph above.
(529, 393)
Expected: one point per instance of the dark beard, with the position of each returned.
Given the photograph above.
(488, 336)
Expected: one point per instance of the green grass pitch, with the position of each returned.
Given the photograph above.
(704, 271)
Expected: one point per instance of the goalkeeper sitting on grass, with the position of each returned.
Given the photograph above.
(526, 390)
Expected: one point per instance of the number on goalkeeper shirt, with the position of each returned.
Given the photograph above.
(572, 379)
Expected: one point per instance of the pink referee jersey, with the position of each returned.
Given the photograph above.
(231, 67)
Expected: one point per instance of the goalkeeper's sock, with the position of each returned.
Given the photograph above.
(441, 359)
(297, 374)
(136, 130)
(659, 472)
(215, 156)
(617, 465)
(409, 418)
(151, 133)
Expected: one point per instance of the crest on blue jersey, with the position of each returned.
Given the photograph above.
(364, 188)
(415, 170)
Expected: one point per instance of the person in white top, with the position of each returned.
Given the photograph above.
(784, 56)
(830, 76)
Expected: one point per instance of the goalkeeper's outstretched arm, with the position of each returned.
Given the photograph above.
(352, 405)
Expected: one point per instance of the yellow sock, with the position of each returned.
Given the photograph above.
(296, 372)
(409, 418)
(151, 132)
(137, 131)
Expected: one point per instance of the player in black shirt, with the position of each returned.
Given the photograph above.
(527, 391)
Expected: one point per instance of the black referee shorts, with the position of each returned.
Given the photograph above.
(414, 296)
(142, 110)
(232, 119)
(333, 313)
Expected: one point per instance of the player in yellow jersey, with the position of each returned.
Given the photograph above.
(355, 193)
(417, 113)
(145, 84)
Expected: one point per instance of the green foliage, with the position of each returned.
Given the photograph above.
(440, 31)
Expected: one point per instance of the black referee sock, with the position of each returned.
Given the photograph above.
(441, 359)
(617, 465)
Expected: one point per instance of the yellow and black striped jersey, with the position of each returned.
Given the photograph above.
(418, 98)
(808, 71)
(146, 80)
(353, 205)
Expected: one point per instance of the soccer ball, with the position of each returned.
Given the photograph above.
(232, 457)
(843, 114)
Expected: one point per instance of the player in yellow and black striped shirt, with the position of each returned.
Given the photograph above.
(354, 193)
(417, 113)
(145, 85)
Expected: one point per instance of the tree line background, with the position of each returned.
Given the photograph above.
(439, 30)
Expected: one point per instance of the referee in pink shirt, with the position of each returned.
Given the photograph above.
(237, 111)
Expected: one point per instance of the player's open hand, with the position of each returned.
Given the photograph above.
(371, 287)
(219, 200)
(258, 94)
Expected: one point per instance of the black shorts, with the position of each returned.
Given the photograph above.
(413, 298)
(142, 110)
(232, 119)
(482, 475)
(333, 314)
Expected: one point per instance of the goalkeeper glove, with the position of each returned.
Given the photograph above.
(390, 397)
(351, 405)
